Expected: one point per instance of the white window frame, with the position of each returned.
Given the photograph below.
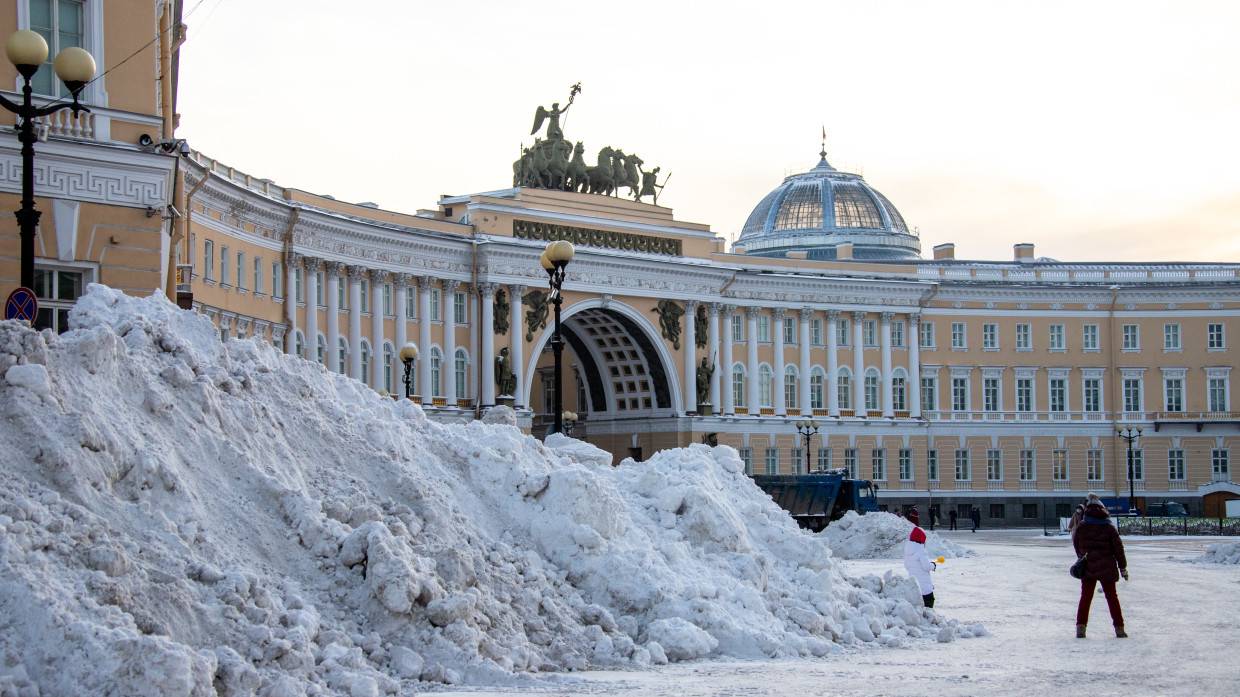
(960, 388)
(1057, 341)
(842, 327)
(1131, 338)
(1176, 471)
(771, 460)
(1095, 470)
(460, 308)
(878, 464)
(1173, 388)
(1215, 376)
(964, 468)
(815, 331)
(869, 333)
(990, 336)
(960, 337)
(790, 331)
(932, 465)
(1061, 466)
(1089, 338)
(926, 332)
(897, 334)
(764, 329)
(1172, 337)
(1216, 340)
(738, 328)
(1028, 465)
(994, 465)
(905, 464)
(1057, 391)
(1024, 337)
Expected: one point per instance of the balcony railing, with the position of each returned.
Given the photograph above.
(1026, 416)
(964, 485)
(66, 124)
(994, 484)
(1028, 485)
(1062, 485)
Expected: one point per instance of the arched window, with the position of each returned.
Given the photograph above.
(389, 356)
(843, 389)
(342, 349)
(462, 368)
(436, 366)
(299, 344)
(365, 376)
(790, 387)
(899, 391)
(320, 348)
(871, 389)
(738, 385)
(765, 377)
(816, 381)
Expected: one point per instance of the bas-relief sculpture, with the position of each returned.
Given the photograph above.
(536, 314)
(556, 163)
(669, 320)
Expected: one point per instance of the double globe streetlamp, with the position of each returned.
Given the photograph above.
(554, 259)
(27, 50)
(408, 354)
(1130, 436)
(807, 427)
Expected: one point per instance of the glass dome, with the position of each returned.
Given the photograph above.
(818, 210)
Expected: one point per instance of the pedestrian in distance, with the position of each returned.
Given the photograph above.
(951, 519)
(917, 562)
(1077, 515)
(1099, 543)
(976, 516)
(934, 517)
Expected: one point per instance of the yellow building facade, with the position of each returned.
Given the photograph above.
(959, 383)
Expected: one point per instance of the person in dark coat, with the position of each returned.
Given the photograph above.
(951, 519)
(1098, 541)
(975, 515)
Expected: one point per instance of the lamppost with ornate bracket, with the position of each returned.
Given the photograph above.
(1130, 435)
(409, 354)
(27, 50)
(554, 259)
(807, 427)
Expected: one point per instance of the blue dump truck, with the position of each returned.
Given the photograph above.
(816, 499)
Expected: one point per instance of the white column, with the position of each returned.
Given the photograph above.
(290, 300)
(777, 389)
(713, 347)
(355, 322)
(311, 276)
(914, 366)
(885, 339)
(806, 315)
(447, 369)
(401, 319)
(424, 341)
(332, 271)
(378, 279)
(833, 363)
(487, 332)
(755, 400)
(516, 330)
(729, 401)
(690, 357)
(858, 319)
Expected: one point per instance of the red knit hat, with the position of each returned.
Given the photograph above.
(918, 535)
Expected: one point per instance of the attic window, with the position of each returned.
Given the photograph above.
(447, 212)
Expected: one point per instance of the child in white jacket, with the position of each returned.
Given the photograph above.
(917, 562)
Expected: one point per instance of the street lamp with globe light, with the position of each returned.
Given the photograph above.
(554, 259)
(27, 50)
(409, 354)
(1130, 436)
(807, 427)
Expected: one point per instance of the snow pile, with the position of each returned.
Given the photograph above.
(1221, 553)
(882, 536)
(183, 517)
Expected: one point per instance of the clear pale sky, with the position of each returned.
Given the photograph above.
(1096, 130)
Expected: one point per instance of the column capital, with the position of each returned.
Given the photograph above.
(450, 285)
(833, 315)
(356, 273)
(402, 280)
(379, 275)
(752, 311)
(807, 313)
(691, 306)
(779, 314)
(487, 289)
(914, 318)
(727, 309)
(332, 267)
(713, 309)
(312, 264)
(424, 283)
(293, 258)
(887, 316)
(858, 316)
(516, 290)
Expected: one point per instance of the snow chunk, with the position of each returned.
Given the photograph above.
(1221, 553)
(882, 536)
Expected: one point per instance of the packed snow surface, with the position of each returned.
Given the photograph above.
(180, 516)
(1221, 553)
(882, 536)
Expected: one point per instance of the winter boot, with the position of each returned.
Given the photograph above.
(1080, 631)
(1119, 632)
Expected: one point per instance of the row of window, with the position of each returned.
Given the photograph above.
(1092, 396)
(963, 470)
(1216, 339)
(241, 276)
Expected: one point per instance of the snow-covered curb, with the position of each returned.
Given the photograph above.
(183, 517)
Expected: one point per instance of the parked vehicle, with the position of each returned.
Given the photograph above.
(1166, 509)
(816, 499)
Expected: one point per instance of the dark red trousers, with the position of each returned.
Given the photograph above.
(1087, 598)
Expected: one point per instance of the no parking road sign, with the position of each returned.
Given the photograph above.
(22, 304)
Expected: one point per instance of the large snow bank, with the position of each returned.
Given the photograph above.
(882, 536)
(184, 517)
(1221, 553)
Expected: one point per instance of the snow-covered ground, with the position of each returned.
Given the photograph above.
(1183, 620)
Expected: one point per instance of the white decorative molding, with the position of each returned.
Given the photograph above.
(89, 173)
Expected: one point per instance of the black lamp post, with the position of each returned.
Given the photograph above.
(1130, 435)
(409, 354)
(807, 428)
(27, 50)
(553, 260)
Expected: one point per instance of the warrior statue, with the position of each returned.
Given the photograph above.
(705, 371)
(650, 185)
(553, 115)
(669, 320)
(505, 379)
